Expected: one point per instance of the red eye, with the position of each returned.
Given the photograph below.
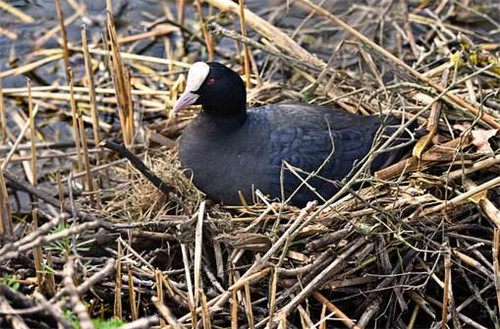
(211, 81)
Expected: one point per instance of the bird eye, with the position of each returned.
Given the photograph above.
(211, 81)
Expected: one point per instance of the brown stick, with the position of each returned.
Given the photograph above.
(280, 39)
(64, 39)
(334, 309)
(496, 265)
(91, 86)
(462, 197)
(246, 53)
(319, 280)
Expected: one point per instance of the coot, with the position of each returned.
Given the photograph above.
(273, 148)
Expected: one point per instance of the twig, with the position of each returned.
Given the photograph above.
(332, 308)
(280, 39)
(74, 298)
(319, 280)
(139, 165)
(383, 52)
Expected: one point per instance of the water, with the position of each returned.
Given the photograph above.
(130, 17)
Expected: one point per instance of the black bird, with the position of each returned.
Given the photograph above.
(228, 148)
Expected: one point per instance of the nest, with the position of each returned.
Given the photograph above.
(88, 241)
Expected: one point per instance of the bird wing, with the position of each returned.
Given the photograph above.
(326, 144)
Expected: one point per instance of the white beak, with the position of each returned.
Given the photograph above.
(187, 98)
(196, 76)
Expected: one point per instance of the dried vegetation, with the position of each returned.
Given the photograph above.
(85, 236)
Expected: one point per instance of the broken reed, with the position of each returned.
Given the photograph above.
(89, 75)
(241, 301)
(121, 81)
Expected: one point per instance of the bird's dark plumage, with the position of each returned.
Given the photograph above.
(229, 149)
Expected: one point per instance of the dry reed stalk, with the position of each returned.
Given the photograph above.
(234, 310)
(118, 74)
(432, 123)
(46, 91)
(159, 292)
(489, 208)
(181, 10)
(272, 295)
(219, 262)
(310, 89)
(74, 116)
(76, 305)
(16, 12)
(413, 318)
(187, 272)
(30, 66)
(208, 38)
(270, 49)
(319, 280)
(86, 160)
(205, 314)
(248, 307)
(6, 224)
(198, 253)
(38, 255)
(168, 286)
(50, 281)
(134, 312)
(20, 137)
(34, 172)
(238, 51)
(3, 117)
(8, 34)
(130, 107)
(496, 262)
(117, 306)
(349, 323)
(305, 319)
(451, 97)
(64, 39)
(437, 153)
(469, 261)
(322, 318)
(91, 86)
(246, 51)
(462, 197)
(24, 158)
(40, 96)
(12, 251)
(141, 58)
(446, 289)
(61, 191)
(169, 53)
(261, 26)
(258, 268)
(163, 31)
(431, 21)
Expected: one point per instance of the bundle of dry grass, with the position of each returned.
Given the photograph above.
(85, 237)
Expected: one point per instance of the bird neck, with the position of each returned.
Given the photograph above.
(225, 118)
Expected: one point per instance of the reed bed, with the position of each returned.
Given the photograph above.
(87, 241)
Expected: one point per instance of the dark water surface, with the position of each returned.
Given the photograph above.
(132, 16)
